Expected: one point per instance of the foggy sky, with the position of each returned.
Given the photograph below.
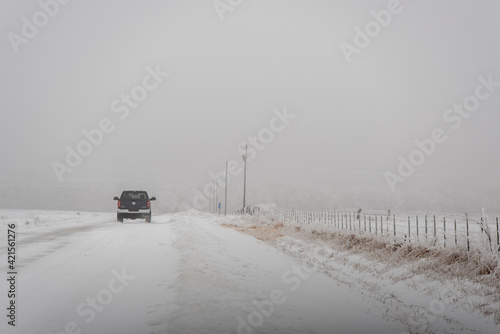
(353, 120)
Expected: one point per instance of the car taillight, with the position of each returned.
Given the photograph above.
(149, 204)
(119, 204)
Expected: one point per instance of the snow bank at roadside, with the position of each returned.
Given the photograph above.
(421, 287)
(28, 219)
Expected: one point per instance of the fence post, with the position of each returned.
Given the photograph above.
(394, 226)
(435, 232)
(350, 222)
(370, 223)
(455, 222)
(409, 230)
(381, 225)
(498, 237)
(425, 226)
(467, 226)
(364, 219)
(376, 226)
(416, 217)
(444, 231)
(359, 221)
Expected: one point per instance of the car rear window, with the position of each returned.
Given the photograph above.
(134, 195)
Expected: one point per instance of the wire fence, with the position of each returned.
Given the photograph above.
(456, 230)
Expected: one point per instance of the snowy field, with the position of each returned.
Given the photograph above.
(186, 273)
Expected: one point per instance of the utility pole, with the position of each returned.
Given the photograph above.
(225, 196)
(245, 178)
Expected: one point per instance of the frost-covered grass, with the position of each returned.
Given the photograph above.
(472, 277)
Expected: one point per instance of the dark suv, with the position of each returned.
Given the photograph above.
(134, 204)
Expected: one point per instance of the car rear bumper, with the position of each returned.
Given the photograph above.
(135, 212)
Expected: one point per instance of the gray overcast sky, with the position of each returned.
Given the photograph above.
(227, 76)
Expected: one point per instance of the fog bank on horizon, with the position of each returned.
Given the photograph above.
(345, 104)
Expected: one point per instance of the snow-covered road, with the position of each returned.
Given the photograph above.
(182, 273)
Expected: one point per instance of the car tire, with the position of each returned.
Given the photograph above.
(119, 217)
(148, 218)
